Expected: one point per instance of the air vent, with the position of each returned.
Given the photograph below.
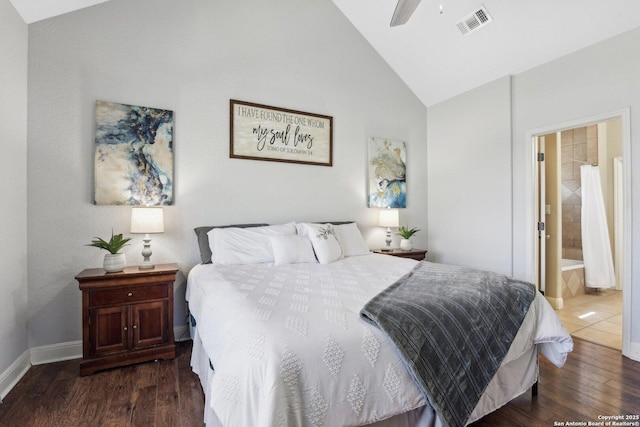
(474, 20)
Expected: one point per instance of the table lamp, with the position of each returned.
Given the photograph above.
(388, 218)
(147, 220)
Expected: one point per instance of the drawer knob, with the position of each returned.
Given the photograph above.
(125, 328)
(130, 294)
(135, 326)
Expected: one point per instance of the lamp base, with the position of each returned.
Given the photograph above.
(144, 266)
(146, 254)
(388, 242)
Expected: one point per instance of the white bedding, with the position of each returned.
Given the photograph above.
(289, 347)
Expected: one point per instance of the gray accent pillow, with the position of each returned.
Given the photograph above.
(333, 222)
(203, 238)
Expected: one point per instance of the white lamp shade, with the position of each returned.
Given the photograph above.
(389, 218)
(147, 220)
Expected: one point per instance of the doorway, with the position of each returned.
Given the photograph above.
(592, 314)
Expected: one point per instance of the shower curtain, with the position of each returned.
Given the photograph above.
(596, 247)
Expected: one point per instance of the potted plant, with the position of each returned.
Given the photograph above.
(113, 261)
(405, 232)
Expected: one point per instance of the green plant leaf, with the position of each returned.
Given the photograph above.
(113, 246)
(405, 232)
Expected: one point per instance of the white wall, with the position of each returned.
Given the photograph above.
(13, 176)
(469, 185)
(192, 56)
(595, 81)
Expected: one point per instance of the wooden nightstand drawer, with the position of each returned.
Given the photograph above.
(126, 295)
(127, 317)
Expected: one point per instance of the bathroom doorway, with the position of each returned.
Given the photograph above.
(590, 309)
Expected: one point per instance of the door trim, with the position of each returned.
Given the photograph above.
(629, 349)
(539, 142)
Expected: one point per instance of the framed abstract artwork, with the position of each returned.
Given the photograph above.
(261, 132)
(387, 174)
(133, 155)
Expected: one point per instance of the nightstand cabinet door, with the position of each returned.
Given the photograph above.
(127, 317)
(108, 331)
(149, 324)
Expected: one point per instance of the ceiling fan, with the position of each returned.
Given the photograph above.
(404, 10)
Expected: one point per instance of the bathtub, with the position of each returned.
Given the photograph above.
(571, 264)
(572, 278)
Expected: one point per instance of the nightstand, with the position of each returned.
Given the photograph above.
(127, 317)
(417, 254)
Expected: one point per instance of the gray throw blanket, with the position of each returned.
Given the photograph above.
(453, 327)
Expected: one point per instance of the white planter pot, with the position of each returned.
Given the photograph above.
(405, 244)
(114, 262)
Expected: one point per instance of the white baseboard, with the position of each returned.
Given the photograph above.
(73, 350)
(181, 333)
(632, 351)
(55, 353)
(10, 377)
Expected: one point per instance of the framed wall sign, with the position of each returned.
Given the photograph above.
(260, 132)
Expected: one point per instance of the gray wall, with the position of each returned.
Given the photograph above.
(13, 176)
(598, 80)
(469, 185)
(192, 56)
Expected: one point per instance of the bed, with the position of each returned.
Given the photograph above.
(279, 338)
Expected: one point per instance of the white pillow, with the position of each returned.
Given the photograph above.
(292, 249)
(351, 240)
(245, 245)
(324, 241)
(301, 228)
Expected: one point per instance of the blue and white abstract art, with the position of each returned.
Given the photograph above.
(387, 174)
(134, 155)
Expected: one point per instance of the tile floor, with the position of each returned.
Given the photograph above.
(595, 317)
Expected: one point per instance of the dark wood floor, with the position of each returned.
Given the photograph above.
(595, 381)
(163, 393)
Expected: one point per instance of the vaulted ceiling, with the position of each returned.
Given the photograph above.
(430, 53)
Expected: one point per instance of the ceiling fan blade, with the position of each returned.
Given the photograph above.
(404, 10)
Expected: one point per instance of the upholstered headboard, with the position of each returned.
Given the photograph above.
(203, 238)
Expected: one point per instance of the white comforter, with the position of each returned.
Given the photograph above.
(289, 348)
